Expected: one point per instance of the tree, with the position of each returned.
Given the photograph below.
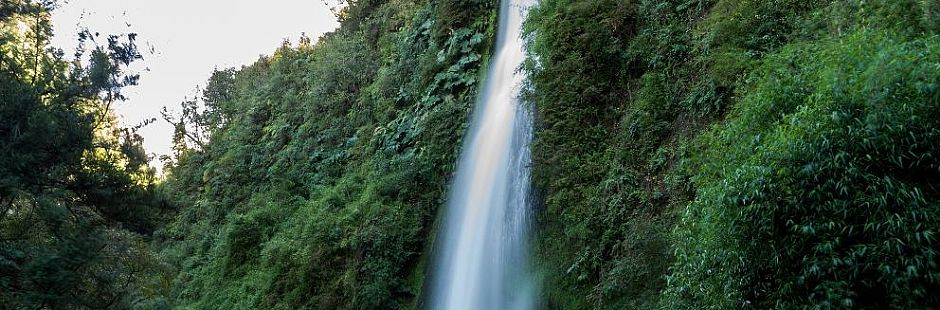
(77, 197)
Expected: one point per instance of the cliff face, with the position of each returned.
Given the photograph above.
(318, 182)
(688, 153)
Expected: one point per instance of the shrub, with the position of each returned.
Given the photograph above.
(820, 190)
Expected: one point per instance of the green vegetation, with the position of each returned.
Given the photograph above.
(737, 154)
(77, 198)
(317, 171)
(689, 154)
(824, 188)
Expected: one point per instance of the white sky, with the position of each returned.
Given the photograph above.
(190, 39)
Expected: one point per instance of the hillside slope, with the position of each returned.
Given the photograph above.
(319, 169)
(689, 154)
(737, 154)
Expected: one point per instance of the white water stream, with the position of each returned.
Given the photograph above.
(483, 261)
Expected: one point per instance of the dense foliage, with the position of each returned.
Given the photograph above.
(737, 154)
(77, 196)
(689, 154)
(825, 188)
(311, 178)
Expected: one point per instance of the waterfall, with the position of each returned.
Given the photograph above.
(483, 258)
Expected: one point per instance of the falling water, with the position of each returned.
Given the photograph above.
(483, 260)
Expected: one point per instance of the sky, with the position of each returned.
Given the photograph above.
(189, 39)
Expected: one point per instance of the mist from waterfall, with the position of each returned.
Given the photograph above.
(483, 258)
